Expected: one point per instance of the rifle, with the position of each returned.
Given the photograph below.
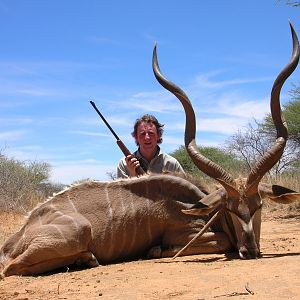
(121, 145)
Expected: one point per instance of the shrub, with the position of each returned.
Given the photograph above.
(23, 184)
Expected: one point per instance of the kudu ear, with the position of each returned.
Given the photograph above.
(208, 204)
(277, 193)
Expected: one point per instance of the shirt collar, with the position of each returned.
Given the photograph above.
(139, 155)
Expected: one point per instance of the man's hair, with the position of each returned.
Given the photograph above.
(148, 119)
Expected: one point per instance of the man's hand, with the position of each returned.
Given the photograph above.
(132, 164)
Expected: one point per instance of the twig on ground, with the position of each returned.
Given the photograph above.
(248, 289)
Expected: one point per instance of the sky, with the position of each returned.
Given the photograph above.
(57, 55)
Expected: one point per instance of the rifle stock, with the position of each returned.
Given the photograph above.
(123, 148)
(126, 152)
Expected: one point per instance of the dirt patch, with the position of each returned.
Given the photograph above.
(274, 276)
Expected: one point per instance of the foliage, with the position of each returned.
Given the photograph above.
(291, 3)
(291, 113)
(23, 184)
(226, 160)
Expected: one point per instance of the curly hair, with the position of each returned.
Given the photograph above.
(152, 120)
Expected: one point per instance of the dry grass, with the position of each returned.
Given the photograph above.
(291, 181)
(272, 210)
(275, 210)
(10, 222)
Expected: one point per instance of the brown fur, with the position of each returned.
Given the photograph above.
(104, 222)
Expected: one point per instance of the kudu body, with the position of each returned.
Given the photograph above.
(105, 222)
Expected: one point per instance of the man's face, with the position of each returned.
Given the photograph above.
(147, 138)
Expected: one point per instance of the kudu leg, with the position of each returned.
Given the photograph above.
(208, 243)
(45, 247)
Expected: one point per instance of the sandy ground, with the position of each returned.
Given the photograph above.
(274, 276)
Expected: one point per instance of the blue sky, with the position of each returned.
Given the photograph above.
(56, 56)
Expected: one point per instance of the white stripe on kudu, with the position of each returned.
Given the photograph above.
(109, 229)
(134, 223)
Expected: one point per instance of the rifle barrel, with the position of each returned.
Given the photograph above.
(121, 145)
(104, 120)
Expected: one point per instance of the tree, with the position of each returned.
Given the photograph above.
(228, 161)
(24, 183)
(291, 113)
(253, 142)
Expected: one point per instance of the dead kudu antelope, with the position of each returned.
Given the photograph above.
(237, 205)
(96, 223)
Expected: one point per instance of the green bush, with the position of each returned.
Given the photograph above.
(224, 159)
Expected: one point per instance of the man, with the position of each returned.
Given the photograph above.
(147, 134)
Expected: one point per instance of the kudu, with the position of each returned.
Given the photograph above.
(239, 201)
(105, 222)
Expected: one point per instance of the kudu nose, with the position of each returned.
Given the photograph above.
(248, 253)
